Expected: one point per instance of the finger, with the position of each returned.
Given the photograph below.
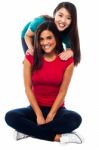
(64, 58)
(61, 54)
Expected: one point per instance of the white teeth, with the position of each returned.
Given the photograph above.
(47, 46)
(61, 25)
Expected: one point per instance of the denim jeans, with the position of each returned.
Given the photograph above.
(24, 121)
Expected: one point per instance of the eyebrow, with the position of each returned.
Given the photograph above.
(47, 36)
(63, 14)
(60, 13)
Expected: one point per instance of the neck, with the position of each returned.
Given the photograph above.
(50, 56)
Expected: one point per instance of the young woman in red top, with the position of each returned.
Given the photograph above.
(46, 79)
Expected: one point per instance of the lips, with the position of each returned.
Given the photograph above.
(61, 25)
(47, 46)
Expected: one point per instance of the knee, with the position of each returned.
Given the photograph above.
(80, 119)
(74, 119)
(77, 120)
(10, 117)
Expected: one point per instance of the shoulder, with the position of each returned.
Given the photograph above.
(38, 19)
(36, 22)
(66, 40)
(67, 62)
(27, 25)
(29, 57)
(25, 29)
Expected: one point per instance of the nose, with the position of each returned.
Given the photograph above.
(63, 19)
(45, 42)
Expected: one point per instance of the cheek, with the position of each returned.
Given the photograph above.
(53, 42)
(56, 20)
(41, 44)
(69, 22)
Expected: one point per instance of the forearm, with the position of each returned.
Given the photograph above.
(28, 89)
(58, 102)
(63, 89)
(29, 42)
(33, 101)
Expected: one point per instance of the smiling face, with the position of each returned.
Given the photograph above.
(47, 41)
(62, 19)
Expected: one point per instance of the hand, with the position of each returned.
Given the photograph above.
(40, 120)
(66, 54)
(30, 51)
(49, 117)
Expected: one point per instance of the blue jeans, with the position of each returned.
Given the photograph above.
(24, 121)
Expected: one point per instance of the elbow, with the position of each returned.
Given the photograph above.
(26, 37)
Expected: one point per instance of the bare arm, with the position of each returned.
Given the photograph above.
(62, 92)
(29, 92)
(29, 39)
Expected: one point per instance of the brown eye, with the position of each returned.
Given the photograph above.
(49, 37)
(60, 15)
(69, 18)
(41, 39)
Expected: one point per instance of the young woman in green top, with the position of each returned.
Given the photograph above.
(65, 18)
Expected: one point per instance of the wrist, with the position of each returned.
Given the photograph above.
(31, 51)
(52, 113)
(39, 114)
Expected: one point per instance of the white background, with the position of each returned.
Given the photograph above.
(83, 91)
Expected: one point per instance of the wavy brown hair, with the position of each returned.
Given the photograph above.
(38, 52)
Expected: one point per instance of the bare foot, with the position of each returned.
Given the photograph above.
(57, 137)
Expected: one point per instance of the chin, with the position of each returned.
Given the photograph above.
(47, 52)
(61, 29)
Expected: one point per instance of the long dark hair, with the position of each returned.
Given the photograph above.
(46, 18)
(72, 30)
(38, 52)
